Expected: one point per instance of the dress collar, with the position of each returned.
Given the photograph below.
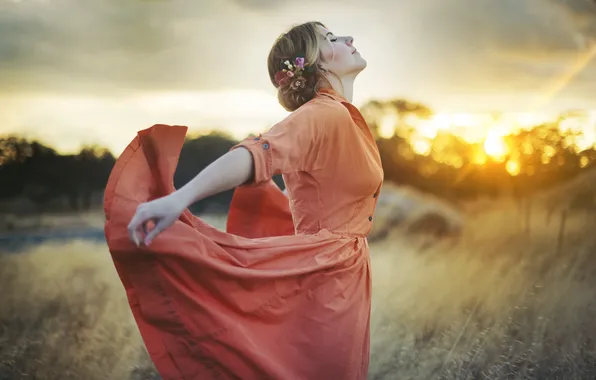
(332, 94)
(354, 112)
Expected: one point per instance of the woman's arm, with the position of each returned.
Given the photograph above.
(227, 172)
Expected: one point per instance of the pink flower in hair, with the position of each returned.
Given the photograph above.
(281, 78)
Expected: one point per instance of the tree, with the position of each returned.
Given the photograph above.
(396, 111)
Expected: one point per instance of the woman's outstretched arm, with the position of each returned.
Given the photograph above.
(227, 172)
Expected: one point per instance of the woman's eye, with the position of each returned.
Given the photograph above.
(333, 39)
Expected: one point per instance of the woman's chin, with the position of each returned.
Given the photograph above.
(361, 64)
(360, 61)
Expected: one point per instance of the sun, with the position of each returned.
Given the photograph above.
(495, 145)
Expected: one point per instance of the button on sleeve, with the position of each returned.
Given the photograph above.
(283, 149)
(300, 142)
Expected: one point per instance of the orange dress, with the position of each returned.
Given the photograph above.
(285, 293)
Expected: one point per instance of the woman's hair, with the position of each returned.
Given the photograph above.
(300, 41)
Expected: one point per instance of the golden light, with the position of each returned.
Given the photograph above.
(465, 120)
(495, 146)
(422, 147)
(411, 119)
(528, 120)
(479, 158)
(550, 151)
(388, 125)
(528, 148)
(457, 162)
(572, 124)
(484, 128)
(471, 128)
(428, 129)
(441, 121)
(491, 133)
(568, 141)
(513, 167)
(584, 125)
(589, 132)
(584, 161)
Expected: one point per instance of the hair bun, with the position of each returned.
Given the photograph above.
(298, 52)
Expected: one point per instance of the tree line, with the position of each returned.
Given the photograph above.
(31, 170)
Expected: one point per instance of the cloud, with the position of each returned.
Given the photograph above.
(261, 5)
(141, 45)
(481, 48)
(414, 48)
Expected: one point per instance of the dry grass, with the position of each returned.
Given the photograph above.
(48, 221)
(497, 303)
(492, 304)
(64, 315)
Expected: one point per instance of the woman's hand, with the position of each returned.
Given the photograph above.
(161, 212)
(232, 169)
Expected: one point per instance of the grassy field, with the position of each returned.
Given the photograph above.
(502, 301)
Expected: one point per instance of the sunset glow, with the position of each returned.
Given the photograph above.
(487, 137)
(494, 145)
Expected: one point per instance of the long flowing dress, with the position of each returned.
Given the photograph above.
(285, 292)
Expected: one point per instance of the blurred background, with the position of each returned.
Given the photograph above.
(485, 115)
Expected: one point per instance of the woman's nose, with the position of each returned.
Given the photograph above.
(349, 40)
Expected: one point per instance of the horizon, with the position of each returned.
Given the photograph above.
(489, 128)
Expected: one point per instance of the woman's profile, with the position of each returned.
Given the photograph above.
(285, 292)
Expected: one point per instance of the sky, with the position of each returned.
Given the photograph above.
(76, 72)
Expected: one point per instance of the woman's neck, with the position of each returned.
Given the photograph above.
(343, 86)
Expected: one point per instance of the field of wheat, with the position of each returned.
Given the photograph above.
(512, 297)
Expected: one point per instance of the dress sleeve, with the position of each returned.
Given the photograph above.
(294, 143)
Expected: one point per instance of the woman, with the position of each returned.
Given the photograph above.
(285, 293)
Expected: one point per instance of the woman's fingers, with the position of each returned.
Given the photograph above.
(137, 224)
(151, 235)
(160, 225)
(151, 218)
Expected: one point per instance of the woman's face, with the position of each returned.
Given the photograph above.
(339, 54)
